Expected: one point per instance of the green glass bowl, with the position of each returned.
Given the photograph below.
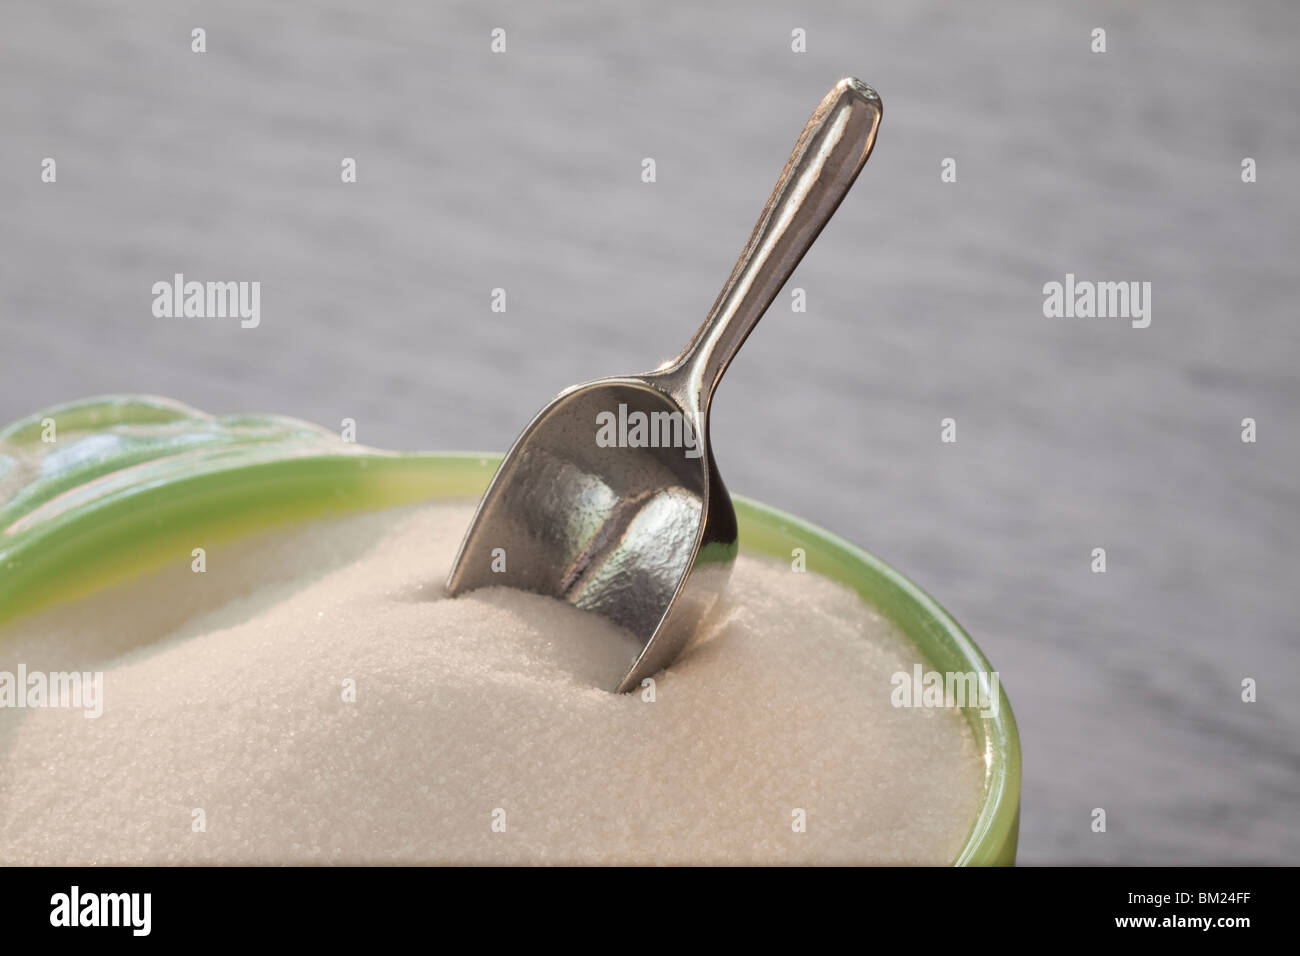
(98, 491)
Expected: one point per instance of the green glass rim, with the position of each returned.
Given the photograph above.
(84, 539)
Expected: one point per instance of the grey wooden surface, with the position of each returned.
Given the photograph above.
(522, 171)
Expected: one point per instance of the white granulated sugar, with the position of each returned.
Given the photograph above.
(224, 693)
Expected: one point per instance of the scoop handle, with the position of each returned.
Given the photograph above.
(822, 167)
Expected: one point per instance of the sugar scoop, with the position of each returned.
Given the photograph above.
(610, 498)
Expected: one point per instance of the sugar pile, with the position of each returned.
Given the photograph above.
(477, 731)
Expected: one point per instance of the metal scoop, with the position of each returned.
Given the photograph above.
(610, 499)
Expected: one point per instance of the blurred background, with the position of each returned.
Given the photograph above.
(522, 171)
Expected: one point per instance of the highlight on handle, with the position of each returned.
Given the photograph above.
(823, 165)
